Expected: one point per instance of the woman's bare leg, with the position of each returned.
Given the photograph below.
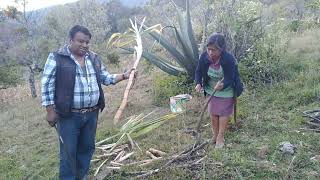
(223, 123)
(215, 127)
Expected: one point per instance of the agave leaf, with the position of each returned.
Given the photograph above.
(160, 63)
(188, 54)
(170, 48)
(183, 37)
(191, 33)
(163, 65)
(183, 30)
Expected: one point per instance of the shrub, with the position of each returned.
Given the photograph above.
(10, 76)
(264, 64)
(113, 58)
(165, 86)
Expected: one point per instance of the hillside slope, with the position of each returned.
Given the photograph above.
(269, 115)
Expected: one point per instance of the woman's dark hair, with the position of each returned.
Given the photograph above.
(78, 28)
(217, 39)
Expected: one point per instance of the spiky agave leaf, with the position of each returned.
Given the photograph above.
(177, 55)
(160, 63)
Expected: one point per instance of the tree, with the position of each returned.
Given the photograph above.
(25, 49)
(11, 12)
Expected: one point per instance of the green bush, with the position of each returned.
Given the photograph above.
(113, 58)
(165, 86)
(264, 64)
(10, 76)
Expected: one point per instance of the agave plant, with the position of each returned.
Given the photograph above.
(185, 55)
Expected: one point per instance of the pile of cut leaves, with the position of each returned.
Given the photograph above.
(115, 150)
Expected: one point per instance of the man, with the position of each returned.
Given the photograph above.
(72, 95)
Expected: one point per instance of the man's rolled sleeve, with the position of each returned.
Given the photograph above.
(48, 81)
(106, 77)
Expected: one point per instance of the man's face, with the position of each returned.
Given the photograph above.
(79, 45)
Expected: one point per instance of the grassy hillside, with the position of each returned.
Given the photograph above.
(270, 114)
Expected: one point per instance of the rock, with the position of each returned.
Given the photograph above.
(287, 147)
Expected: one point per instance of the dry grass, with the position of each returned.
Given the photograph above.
(306, 45)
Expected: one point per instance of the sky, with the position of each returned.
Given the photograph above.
(34, 4)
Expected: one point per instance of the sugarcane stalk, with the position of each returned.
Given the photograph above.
(95, 160)
(98, 169)
(118, 156)
(113, 168)
(125, 157)
(138, 52)
(157, 152)
(130, 140)
(105, 155)
(151, 155)
(116, 163)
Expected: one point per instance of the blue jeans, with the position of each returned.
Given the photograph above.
(78, 135)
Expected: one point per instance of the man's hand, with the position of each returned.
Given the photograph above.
(52, 116)
(198, 88)
(126, 75)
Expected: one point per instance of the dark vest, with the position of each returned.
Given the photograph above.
(65, 82)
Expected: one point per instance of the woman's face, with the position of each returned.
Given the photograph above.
(213, 52)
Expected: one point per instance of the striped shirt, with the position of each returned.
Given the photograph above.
(86, 90)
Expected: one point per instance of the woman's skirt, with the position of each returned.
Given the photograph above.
(220, 106)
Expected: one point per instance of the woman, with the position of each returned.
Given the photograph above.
(215, 75)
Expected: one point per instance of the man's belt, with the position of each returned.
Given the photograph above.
(85, 110)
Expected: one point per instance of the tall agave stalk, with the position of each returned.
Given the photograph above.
(185, 55)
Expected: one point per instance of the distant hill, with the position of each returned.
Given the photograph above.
(38, 14)
(131, 3)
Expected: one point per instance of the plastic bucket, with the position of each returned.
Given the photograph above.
(178, 103)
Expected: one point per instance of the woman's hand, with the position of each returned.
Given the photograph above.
(198, 88)
(218, 86)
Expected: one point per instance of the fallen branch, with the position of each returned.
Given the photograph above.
(306, 114)
(313, 124)
(314, 130)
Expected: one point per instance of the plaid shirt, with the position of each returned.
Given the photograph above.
(86, 90)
